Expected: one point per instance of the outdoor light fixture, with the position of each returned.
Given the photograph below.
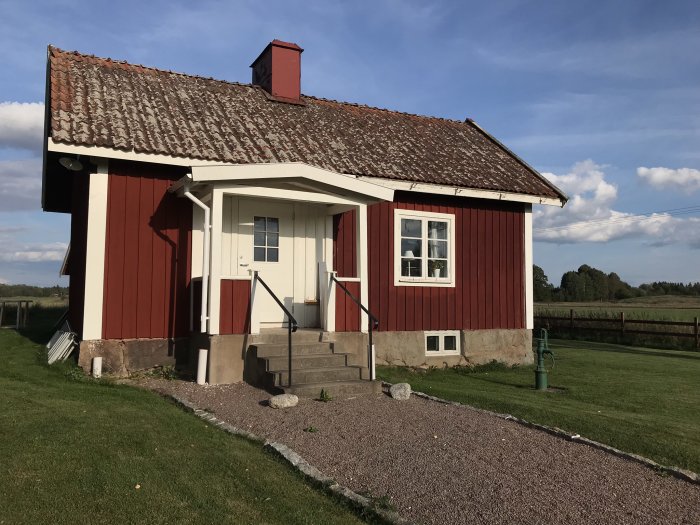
(70, 163)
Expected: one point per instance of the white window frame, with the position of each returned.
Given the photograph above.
(425, 280)
(442, 334)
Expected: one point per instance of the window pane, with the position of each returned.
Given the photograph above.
(259, 239)
(410, 228)
(437, 230)
(259, 254)
(450, 342)
(437, 249)
(411, 267)
(272, 254)
(410, 248)
(273, 239)
(437, 268)
(273, 224)
(433, 343)
(259, 224)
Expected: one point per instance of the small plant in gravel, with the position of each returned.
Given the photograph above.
(325, 396)
(311, 429)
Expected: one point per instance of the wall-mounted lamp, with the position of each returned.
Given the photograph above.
(70, 163)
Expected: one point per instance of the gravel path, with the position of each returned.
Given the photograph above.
(445, 464)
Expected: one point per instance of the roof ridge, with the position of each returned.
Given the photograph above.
(387, 110)
(248, 85)
(149, 68)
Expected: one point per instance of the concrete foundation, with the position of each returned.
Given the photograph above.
(120, 357)
(231, 362)
(512, 347)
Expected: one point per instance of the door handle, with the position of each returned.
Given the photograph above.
(243, 264)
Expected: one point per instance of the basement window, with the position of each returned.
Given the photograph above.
(424, 248)
(442, 343)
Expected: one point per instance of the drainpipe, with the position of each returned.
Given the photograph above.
(205, 257)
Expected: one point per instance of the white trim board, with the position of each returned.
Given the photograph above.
(95, 253)
(438, 189)
(529, 306)
(418, 187)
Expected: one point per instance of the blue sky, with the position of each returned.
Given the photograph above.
(602, 97)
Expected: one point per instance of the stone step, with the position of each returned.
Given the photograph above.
(298, 349)
(318, 375)
(299, 362)
(280, 335)
(336, 389)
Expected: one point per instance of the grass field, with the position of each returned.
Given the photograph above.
(640, 400)
(77, 450)
(658, 308)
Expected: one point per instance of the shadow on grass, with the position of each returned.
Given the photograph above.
(42, 323)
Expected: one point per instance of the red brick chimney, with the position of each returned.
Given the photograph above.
(278, 71)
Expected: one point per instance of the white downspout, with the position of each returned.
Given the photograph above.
(205, 258)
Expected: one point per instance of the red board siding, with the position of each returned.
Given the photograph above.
(344, 245)
(147, 260)
(347, 313)
(78, 250)
(235, 306)
(489, 266)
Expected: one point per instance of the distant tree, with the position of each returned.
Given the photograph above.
(542, 288)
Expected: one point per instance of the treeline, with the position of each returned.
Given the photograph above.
(590, 284)
(25, 290)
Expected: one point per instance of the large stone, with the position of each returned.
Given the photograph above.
(400, 391)
(284, 401)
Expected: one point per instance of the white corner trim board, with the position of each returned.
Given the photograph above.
(529, 306)
(95, 252)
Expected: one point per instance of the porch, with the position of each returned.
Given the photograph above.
(280, 247)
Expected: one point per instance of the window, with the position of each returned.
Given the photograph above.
(442, 343)
(266, 239)
(424, 248)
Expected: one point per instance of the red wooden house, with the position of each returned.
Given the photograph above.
(183, 189)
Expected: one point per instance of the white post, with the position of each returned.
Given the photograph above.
(330, 301)
(254, 313)
(97, 367)
(202, 366)
(216, 218)
(372, 372)
(362, 265)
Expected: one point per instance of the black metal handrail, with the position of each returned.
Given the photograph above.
(374, 323)
(292, 324)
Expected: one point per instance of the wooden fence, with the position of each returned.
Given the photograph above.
(620, 325)
(22, 313)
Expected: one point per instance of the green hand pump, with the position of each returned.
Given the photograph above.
(541, 371)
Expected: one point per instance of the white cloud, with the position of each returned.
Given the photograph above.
(41, 252)
(21, 125)
(686, 179)
(589, 215)
(20, 184)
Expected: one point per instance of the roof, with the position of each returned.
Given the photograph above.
(107, 103)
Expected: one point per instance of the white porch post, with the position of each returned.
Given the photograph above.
(329, 295)
(362, 265)
(217, 202)
(95, 252)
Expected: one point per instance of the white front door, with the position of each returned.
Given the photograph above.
(266, 244)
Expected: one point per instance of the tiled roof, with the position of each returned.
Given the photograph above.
(100, 102)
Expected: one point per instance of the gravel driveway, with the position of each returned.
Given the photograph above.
(444, 464)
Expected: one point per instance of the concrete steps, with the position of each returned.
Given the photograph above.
(316, 365)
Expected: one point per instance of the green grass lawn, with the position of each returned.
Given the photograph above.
(90, 452)
(640, 400)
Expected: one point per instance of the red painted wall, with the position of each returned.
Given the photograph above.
(235, 307)
(148, 247)
(78, 250)
(344, 246)
(347, 313)
(489, 285)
